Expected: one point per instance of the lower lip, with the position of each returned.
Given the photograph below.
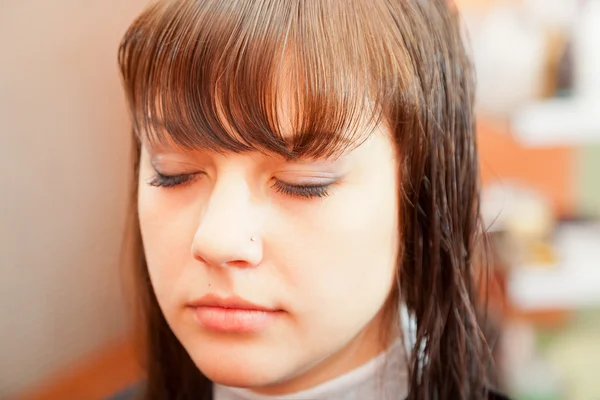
(234, 320)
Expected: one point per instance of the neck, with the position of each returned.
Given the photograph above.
(383, 376)
(369, 343)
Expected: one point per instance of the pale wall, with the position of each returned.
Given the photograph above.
(64, 150)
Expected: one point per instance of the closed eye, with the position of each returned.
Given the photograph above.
(306, 191)
(302, 191)
(169, 181)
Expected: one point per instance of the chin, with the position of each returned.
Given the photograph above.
(238, 373)
(238, 366)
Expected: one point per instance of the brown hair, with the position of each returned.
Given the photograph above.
(209, 74)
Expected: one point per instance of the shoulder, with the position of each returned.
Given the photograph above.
(492, 395)
(133, 393)
(129, 393)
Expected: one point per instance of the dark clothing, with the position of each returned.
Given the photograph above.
(132, 392)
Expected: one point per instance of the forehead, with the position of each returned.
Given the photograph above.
(230, 79)
(282, 121)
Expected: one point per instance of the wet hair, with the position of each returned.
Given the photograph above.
(213, 74)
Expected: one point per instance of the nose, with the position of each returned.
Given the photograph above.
(228, 231)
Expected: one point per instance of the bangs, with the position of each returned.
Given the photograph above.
(295, 78)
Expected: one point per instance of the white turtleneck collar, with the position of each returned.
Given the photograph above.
(383, 377)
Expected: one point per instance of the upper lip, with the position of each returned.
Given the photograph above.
(233, 302)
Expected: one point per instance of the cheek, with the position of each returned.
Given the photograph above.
(167, 237)
(342, 259)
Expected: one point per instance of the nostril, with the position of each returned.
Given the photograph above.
(200, 258)
(237, 264)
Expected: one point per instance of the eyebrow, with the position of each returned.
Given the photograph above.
(164, 142)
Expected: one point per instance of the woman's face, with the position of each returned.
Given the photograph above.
(272, 274)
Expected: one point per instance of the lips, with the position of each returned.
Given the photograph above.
(232, 314)
(233, 302)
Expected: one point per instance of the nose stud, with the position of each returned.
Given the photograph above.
(253, 239)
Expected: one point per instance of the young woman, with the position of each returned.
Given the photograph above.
(307, 183)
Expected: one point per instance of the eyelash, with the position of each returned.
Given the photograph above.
(301, 191)
(168, 181)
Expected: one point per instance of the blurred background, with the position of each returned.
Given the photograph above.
(64, 144)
